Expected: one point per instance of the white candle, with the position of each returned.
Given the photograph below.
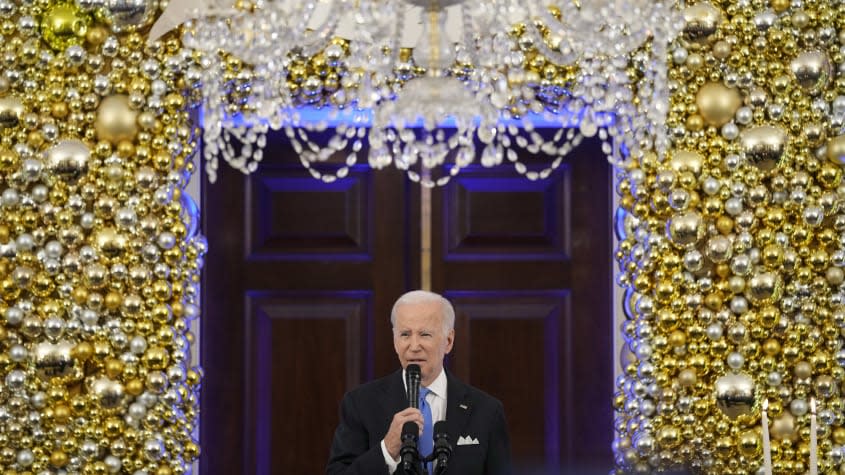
(767, 445)
(814, 460)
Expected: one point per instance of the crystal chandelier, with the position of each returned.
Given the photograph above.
(458, 89)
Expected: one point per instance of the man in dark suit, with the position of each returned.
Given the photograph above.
(367, 440)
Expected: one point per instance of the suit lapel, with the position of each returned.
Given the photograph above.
(458, 408)
(395, 397)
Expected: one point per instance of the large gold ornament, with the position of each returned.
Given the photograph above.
(701, 21)
(116, 120)
(686, 229)
(764, 287)
(717, 103)
(110, 242)
(685, 160)
(54, 360)
(11, 111)
(109, 394)
(836, 150)
(64, 24)
(812, 70)
(784, 427)
(764, 146)
(734, 393)
(68, 159)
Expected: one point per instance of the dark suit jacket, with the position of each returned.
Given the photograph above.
(367, 411)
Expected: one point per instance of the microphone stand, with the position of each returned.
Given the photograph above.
(410, 462)
(442, 449)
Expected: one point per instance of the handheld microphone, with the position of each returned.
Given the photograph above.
(409, 457)
(412, 380)
(442, 448)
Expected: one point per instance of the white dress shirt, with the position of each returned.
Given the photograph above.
(436, 399)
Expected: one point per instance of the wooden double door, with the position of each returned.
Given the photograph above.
(301, 276)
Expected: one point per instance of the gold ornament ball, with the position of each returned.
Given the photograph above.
(719, 249)
(780, 5)
(814, 133)
(687, 377)
(156, 358)
(701, 21)
(134, 387)
(669, 437)
(717, 103)
(764, 146)
(826, 387)
(784, 427)
(802, 369)
(721, 49)
(108, 393)
(53, 360)
(811, 70)
(58, 459)
(836, 150)
(8, 160)
(835, 275)
(749, 443)
(83, 351)
(684, 160)
(11, 112)
(686, 229)
(113, 367)
(110, 242)
(116, 121)
(96, 275)
(63, 25)
(839, 435)
(764, 287)
(734, 393)
(68, 159)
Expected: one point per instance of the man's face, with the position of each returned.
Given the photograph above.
(418, 337)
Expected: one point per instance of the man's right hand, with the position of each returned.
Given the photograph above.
(393, 438)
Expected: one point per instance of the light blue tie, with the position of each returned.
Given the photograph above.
(427, 437)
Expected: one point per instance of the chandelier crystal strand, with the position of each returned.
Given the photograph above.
(629, 117)
(370, 73)
(238, 114)
(501, 78)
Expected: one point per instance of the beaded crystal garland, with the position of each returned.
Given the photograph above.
(731, 250)
(509, 68)
(99, 251)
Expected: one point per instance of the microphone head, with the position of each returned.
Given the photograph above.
(412, 380)
(440, 429)
(413, 371)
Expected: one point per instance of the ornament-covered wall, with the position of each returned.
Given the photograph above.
(99, 251)
(732, 249)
